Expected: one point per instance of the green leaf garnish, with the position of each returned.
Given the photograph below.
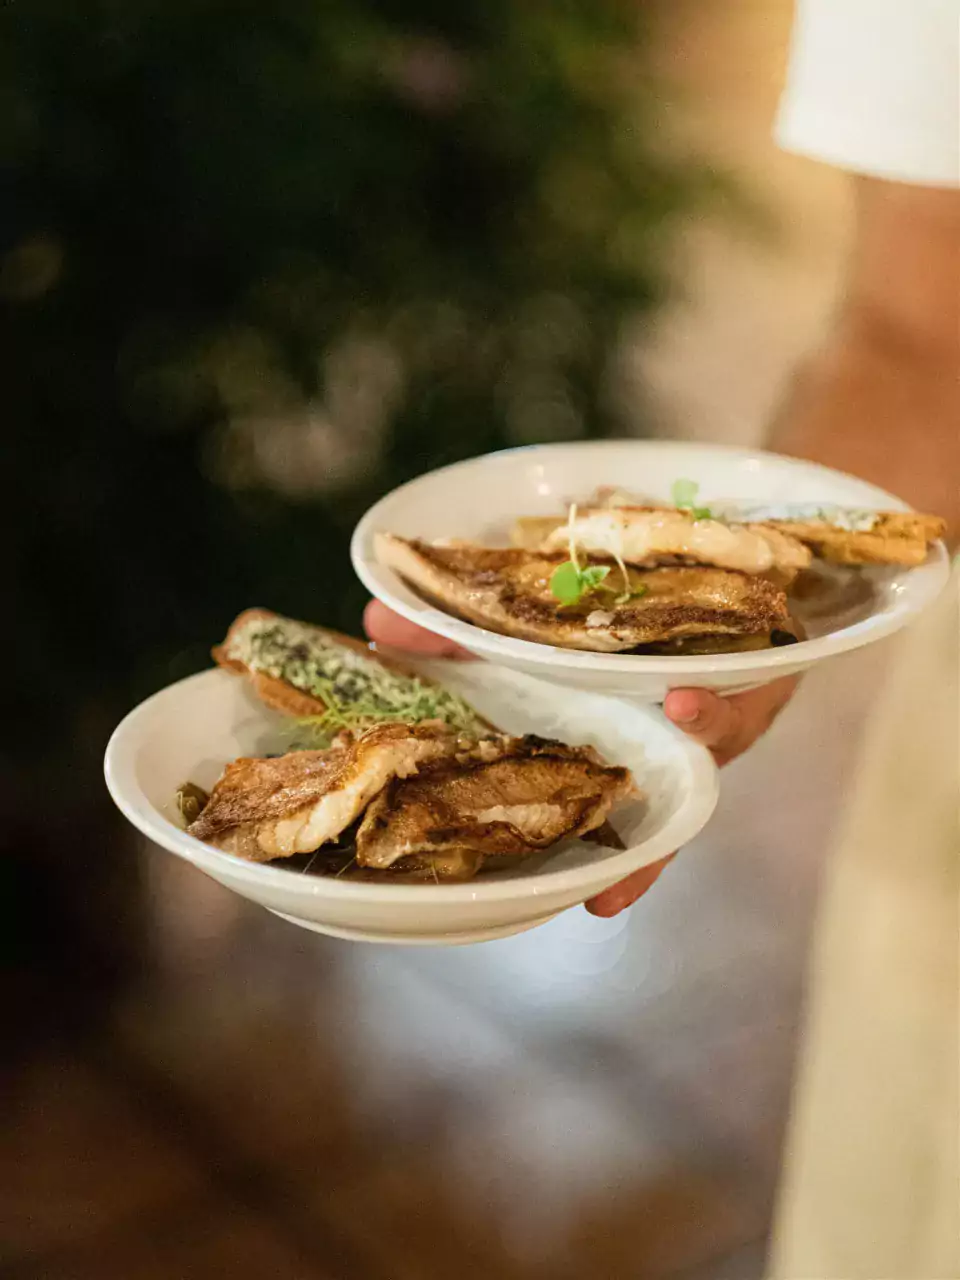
(569, 584)
(684, 494)
(593, 575)
(565, 583)
(416, 703)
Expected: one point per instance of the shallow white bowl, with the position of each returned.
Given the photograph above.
(480, 498)
(189, 731)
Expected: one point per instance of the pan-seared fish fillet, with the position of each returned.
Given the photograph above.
(523, 797)
(650, 536)
(508, 590)
(496, 795)
(263, 809)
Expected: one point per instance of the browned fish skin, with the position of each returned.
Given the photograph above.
(264, 809)
(496, 796)
(532, 794)
(508, 590)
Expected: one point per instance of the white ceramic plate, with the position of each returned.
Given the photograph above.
(479, 499)
(189, 731)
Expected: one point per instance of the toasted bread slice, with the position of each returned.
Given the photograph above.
(508, 590)
(307, 671)
(897, 537)
(652, 536)
(276, 692)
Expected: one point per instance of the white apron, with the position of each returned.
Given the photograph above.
(871, 1185)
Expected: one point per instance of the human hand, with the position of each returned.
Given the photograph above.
(727, 726)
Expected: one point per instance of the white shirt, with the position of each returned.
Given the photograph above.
(874, 87)
(872, 1166)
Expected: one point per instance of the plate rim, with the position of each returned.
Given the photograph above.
(380, 581)
(680, 827)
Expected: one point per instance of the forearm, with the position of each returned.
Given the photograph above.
(889, 416)
(882, 397)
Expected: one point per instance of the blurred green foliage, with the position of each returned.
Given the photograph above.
(261, 262)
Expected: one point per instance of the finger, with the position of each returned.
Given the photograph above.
(728, 726)
(708, 719)
(386, 627)
(620, 896)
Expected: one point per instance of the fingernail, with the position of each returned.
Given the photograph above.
(684, 707)
(689, 716)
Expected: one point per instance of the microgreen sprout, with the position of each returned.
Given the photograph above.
(568, 582)
(684, 495)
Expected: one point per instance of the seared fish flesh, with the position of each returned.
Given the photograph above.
(649, 536)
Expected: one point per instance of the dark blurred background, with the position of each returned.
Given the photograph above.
(258, 265)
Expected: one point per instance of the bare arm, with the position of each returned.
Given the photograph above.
(881, 398)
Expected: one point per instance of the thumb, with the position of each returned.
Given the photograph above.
(708, 719)
(728, 726)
